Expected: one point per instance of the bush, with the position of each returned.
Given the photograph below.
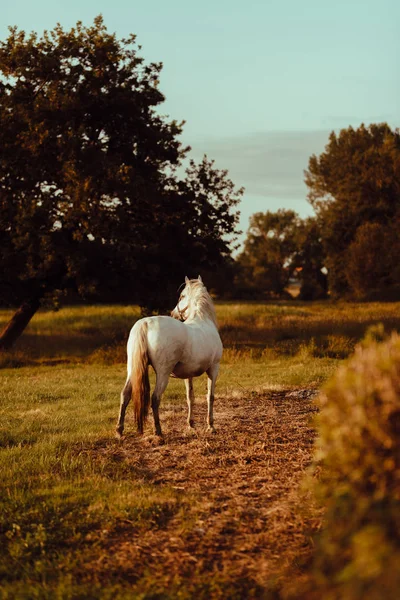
(358, 459)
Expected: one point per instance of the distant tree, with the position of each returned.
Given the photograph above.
(90, 199)
(354, 182)
(266, 263)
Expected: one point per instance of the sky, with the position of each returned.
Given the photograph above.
(260, 83)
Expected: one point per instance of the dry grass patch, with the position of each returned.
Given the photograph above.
(240, 524)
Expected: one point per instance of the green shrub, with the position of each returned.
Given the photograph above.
(358, 466)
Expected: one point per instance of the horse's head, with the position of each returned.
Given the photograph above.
(182, 309)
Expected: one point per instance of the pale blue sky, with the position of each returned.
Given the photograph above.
(260, 83)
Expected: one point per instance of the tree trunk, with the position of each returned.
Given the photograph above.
(17, 324)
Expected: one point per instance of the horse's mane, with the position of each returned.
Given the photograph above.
(201, 302)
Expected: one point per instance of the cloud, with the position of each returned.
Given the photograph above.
(268, 165)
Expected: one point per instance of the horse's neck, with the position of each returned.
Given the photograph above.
(202, 317)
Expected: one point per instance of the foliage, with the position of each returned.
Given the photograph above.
(90, 198)
(373, 259)
(355, 182)
(358, 453)
(278, 246)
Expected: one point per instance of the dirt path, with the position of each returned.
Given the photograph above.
(244, 524)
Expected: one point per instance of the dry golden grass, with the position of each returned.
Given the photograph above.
(241, 524)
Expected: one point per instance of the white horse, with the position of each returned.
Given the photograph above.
(185, 346)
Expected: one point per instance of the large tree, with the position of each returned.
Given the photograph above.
(355, 182)
(90, 196)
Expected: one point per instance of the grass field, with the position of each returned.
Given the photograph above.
(84, 515)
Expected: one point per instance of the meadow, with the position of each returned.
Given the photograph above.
(84, 515)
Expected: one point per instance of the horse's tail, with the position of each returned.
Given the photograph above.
(139, 375)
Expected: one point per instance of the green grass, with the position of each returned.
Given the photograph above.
(60, 506)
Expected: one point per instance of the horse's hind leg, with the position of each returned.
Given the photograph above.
(190, 400)
(126, 396)
(212, 375)
(161, 384)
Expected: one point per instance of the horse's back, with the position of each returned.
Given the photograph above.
(166, 338)
(203, 350)
(188, 349)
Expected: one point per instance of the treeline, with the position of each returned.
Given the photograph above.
(95, 202)
(351, 248)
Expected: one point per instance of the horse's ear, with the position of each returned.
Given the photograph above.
(200, 279)
(186, 280)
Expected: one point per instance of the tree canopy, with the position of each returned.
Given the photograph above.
(354, 187)
(91, 195)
